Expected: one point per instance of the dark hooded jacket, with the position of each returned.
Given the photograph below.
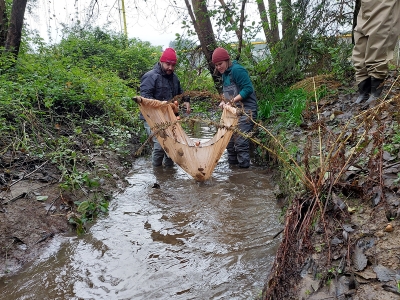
(156, 84)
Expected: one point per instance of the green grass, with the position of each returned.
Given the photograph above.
(285, 107)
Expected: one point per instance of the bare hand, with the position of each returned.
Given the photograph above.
(187, 104)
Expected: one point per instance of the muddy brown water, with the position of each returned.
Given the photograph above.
(183, 240)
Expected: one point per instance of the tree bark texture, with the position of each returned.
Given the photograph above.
(270, 27)
(3, 23)
(286, 6)
(264, 21)
(14, 33)
(203, 27)
(273, 17)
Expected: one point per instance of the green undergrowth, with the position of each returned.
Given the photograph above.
(64, 103)
(284, 106)
(281, 113)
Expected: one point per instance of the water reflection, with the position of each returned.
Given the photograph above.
(183, 240)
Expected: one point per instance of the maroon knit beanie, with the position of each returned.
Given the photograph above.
(220, 54)
(169, 55)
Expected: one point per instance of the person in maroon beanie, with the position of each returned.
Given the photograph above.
(238, 91)
(161, 83)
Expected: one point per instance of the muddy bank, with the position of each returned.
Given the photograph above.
(341, 237)
(34, 208)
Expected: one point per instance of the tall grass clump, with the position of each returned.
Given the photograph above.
(285, 106)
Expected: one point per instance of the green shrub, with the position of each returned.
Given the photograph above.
(284, 106)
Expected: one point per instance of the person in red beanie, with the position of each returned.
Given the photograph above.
(161, 83)
(169, 56)
(238, 91)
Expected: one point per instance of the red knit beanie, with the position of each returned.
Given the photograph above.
(169, 55)
(220, 54)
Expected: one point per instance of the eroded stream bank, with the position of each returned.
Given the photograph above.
(183, 240)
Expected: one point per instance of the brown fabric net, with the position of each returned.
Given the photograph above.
(196, 159)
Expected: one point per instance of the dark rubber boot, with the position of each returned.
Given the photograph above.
(168, 162)
(376, 89)
(158, 153)
(364, 88)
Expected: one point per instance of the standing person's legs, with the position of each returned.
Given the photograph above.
(358, 56)
(384, 32)
(363, 79)
(376, 34)
(168, 162)
(239, 147)
(382, 28)
(242, 144)
(158, 152)
(232, 155)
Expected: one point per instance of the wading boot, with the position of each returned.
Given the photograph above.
(364, 88)
(376, 89)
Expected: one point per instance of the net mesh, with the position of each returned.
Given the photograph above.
(195, 158)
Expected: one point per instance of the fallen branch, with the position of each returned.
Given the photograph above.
(15, 182)
(51, 205)
(23, 195)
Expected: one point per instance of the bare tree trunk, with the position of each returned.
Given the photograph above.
(264, 21)
(286, 6)
(3, 23)
(273, 17)
(203, 27)
(14, 33)
(270, 26)
(241, 25)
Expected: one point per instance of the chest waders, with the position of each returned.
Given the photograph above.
(167, 88)
(375, 38)
(238, 147)
(158, 154)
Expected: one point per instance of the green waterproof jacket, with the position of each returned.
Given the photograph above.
(238, 75)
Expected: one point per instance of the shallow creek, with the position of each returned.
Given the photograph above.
(183, 240)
